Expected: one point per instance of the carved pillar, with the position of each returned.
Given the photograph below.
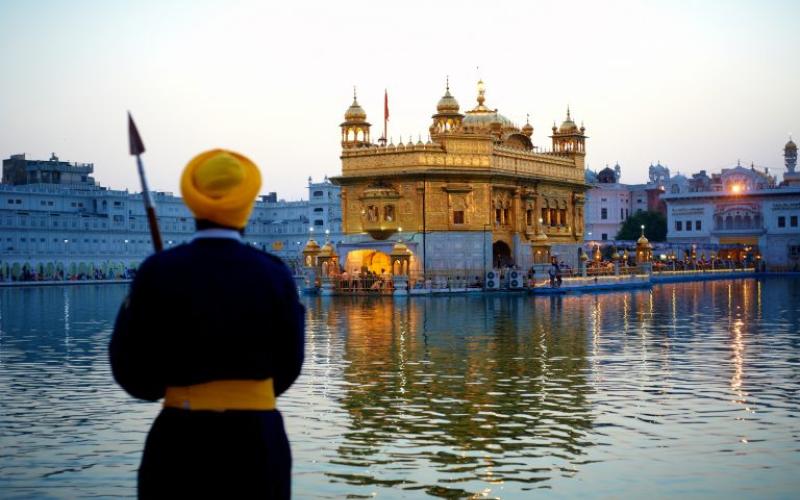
(345, 207)
(516, 211)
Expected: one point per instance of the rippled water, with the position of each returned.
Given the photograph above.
(688, 389)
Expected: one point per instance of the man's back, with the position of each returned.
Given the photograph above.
(209, 310)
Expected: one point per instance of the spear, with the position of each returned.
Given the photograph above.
(137, 148)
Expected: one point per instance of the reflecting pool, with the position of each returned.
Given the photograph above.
(687, 389)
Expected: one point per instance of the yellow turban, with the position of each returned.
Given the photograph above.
(221, 186)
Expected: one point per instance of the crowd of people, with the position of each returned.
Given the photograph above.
(28, 274)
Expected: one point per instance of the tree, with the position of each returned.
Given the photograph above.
(655, 226)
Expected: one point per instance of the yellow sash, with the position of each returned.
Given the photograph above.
(221, 395)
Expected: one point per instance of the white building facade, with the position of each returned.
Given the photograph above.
(54, 218)
(609, 203)
(743, 215)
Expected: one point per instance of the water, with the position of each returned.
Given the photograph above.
(689, 389)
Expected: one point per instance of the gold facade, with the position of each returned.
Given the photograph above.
(477, 172)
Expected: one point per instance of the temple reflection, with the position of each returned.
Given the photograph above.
(468, 378)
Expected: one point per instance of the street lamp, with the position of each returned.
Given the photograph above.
(66, 249)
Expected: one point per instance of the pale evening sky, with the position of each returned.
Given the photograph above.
(696, 85)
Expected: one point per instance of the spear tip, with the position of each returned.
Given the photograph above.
(134, 139)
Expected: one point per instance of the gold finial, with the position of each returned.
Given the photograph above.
(528, 118)
(354, 93)
(568, 117)
(447, 84)
(481, 91)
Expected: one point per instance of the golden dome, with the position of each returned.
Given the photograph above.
(527, 129)
(327, 250)
(448, 103)
(311, 247)
(399, 249)
(480, 118)
(790, 146)
(642, 240)
(568, 125)
(355, 113)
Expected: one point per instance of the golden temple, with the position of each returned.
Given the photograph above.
(477, 195)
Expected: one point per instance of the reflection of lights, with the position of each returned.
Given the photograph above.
(736, 188)
(738, 359)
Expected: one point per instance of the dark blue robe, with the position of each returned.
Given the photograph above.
(213, 309)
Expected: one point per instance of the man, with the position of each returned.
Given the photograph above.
(216, 329)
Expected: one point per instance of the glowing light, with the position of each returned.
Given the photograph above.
(736, 188)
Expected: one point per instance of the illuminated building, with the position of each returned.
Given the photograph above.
(743, 214)
(477, 195)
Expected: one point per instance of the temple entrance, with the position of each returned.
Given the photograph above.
(368, 260)
(501, 255)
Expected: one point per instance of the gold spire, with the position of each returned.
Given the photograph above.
(527, 129)
(355, 112)
(481, 91)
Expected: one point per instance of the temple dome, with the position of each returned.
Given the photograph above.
(311, 246)
(447, 104)
(790, 146)
(327, 250)
(481, 118)
(355, 112)
(400, 249)
(527, 129)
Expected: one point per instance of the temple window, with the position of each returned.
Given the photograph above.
(458, 217)
(388, 213)
(562, 217)
(506, 216)
(529, 217)
(544, 216)
(498, 216)
(371, 213)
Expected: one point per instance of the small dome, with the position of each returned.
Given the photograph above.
(355, 112)
(642, 240)
(399, 249)
(311, 246)
(448, 103)
(567, 125)
(607, 176)
(327, 250)
(527, 129)
(679, 178)
(790, 146)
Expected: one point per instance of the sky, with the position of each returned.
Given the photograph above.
(693, 85)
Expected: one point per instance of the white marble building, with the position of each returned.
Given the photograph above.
(53, 215)
(609, 203)
(742, 214)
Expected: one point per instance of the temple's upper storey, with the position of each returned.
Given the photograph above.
(480, 138)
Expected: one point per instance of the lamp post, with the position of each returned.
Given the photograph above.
(66, 251)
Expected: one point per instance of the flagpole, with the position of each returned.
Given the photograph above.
(136, 149)
(385, 116)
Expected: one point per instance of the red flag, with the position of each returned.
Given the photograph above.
(385, 104)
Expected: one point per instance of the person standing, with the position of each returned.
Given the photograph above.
(216, 329)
